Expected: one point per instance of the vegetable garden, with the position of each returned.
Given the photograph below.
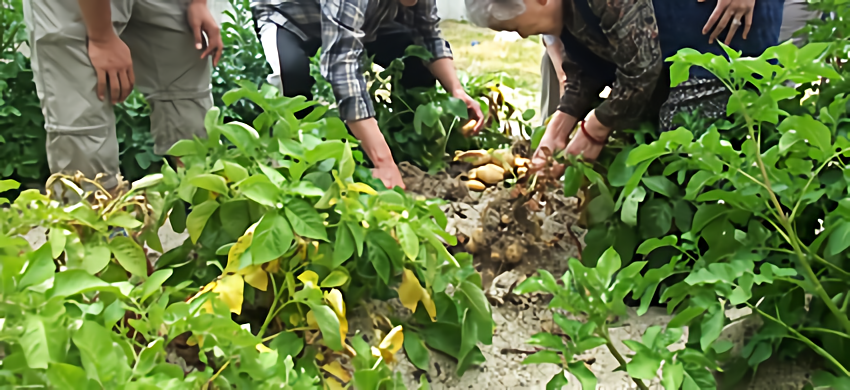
(300, 271)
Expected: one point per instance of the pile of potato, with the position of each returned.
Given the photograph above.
(491, 168)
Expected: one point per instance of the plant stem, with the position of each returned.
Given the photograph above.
(804, 339)
(786, 224)
(217, 373)
(619, 357)
(271, 314)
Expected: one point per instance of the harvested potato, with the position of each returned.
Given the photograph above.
(475, 185)
(469, 127)
(514, 253)
(489, 174)
(475, 157)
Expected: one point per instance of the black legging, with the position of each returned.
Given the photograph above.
(294, 56)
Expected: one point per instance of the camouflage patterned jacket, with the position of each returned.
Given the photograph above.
(610, 43)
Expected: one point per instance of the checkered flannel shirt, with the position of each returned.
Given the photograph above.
(344, 26)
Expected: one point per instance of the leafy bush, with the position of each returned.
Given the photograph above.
(282, 239)
(748, 212)
(423, 125)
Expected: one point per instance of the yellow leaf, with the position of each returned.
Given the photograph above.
(334, 299)
(256, 277)
(230, 290)
(430, 307)
(195, 339)
(335, 369)
(272, 266)
(311, 320)
(310, 279)
(333, 384)
(410, 291)
(376, 352)
(207, 306)
(236, 251)
(262, 348)
(362, 188)
(391, 344)
(343, 329)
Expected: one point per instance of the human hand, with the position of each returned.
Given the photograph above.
(201, 21)
(113, 64)
(473, 108)
(590, 139)
(389, 175)
(734, 10)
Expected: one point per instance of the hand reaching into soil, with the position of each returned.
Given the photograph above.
(553, 141)
(389, 175)
(589, 141)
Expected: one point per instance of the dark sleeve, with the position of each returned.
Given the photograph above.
(630, 27)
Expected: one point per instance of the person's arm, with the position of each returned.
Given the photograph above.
(631, 29)
(342, 49)
(202, 22)
(97, 15)
(109, 55)
(426, 23)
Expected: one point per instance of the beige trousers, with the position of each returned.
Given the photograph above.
(169, 73)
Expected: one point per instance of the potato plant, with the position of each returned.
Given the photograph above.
(283, 244)
(747, 212)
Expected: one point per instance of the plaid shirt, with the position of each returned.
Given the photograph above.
(343, 26)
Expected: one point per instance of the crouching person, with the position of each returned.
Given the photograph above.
(88, 55)
(293, 31)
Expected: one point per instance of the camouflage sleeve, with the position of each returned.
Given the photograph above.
(631, 28)
(581, 90)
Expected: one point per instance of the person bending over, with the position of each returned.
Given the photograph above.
(293, 31)
(623, 44)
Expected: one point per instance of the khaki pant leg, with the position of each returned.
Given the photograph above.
(169, 71)
(80, 128)
(794, 17)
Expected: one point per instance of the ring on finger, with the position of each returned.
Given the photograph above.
(736, 22)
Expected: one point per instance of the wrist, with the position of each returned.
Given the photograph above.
(101, 36)
(458, 91)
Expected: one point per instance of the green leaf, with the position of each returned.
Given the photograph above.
(683, 215)
(287, 344)
(34, 343)
(40, 268)
(177, 217)
(56, 238)
(198, 218)
(583, 374)
(154, 282)
(234, 171)
(619, 172)
(272, 238)
(672, 375)
(630, 206)
(73, 282)
(558, 381)
(839, 240)
(367, 379)
(346, 164)
(343, 245)
(184, 147)
(544, 356)
(654, 243)
(712, 325)
(380, 261)
(130, 255)
(416, 350)
(336, 278)
(656, 218)
(644, 365)
(572, 181)
(409, 240)
(805, 128)
(608, 264)
(96, 258)
(210, 182)
(697, 182)
(548, 340)
(97, 353)
(261, 190)
(305, 220)
(124, 220)
(64, 376)
(761, 353)
(685, 316)
(661, 185)
(328, 324)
